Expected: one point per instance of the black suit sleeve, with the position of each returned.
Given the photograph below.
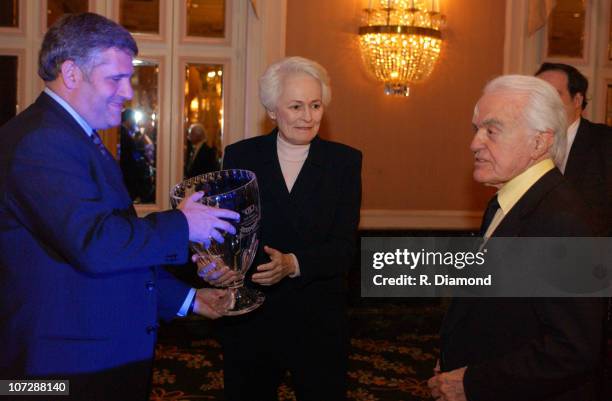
(561, 358)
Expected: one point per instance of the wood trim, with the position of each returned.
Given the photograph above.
(602, 103)
(91, 6)
(21, 29)
(586, 41)
(266, 35)
(420, 219)
(225, 41)
(605, 48)
(21, 75)
(162, 140)
(177, 141)
(514, 36)
(603, 73)
(165, 8)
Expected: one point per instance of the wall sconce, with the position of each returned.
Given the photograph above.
(401, 42)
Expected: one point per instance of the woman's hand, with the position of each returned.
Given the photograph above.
(217, 274)
(280, 266)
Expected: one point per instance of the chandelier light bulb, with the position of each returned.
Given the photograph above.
(401, 42)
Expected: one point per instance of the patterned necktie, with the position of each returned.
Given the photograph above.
(488, 215)
(98, 142)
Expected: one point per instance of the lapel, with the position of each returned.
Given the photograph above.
(579, 153)
(46, 102)
(273, 182)
(310, 174)
(110, 167)
(513, 223)
(510, 226)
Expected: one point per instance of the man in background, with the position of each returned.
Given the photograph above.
(81, 287)
(587, 162)
(588, 158)
(201, 158)
(136, 159)
(522, 349)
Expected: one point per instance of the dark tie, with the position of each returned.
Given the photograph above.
(98, 142)
(488, 215)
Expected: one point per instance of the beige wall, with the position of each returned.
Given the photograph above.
(416, 154)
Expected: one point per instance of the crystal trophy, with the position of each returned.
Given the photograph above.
(235, 190)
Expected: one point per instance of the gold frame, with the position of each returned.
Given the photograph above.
(21, 29)
(401, 29)
(183, 61)
(161, 140)
(91, 7)
(165, 7)
(586, 51)
(21, 63)
(225, 41)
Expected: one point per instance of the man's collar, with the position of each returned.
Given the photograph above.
(514, 189)
(70, 110)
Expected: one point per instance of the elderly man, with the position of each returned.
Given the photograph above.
(588, 158)
(81, 289)
(201, 158)
(522, 349)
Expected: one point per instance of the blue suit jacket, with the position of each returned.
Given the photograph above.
(80, 290)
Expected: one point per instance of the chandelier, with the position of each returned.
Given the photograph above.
(400, 41)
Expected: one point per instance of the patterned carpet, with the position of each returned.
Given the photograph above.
(393, 352)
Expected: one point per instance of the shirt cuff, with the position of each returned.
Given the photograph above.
(185, 307)
(297, 267)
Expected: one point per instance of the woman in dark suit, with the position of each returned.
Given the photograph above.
(310, 192)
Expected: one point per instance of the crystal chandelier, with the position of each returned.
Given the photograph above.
(400, 41)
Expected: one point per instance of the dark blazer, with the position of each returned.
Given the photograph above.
(589, 168)
(529, 349)
(302, 317)
(204, 161)
(80, 293)
(318, 220)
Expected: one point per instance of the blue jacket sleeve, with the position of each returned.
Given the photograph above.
(60, 192)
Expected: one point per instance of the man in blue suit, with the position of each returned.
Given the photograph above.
(81, 289)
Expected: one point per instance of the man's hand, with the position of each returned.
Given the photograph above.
(212, 303)
(436, 369)
(448, 386)
(205, 222)
(280, 266)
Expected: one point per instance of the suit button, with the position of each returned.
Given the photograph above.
(150, 286)
(152, 329)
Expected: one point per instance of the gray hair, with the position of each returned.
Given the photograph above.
(197, 127)
(271, 82)
(80, 38)
(542, 111)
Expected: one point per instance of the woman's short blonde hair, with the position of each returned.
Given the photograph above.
(271, 82)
